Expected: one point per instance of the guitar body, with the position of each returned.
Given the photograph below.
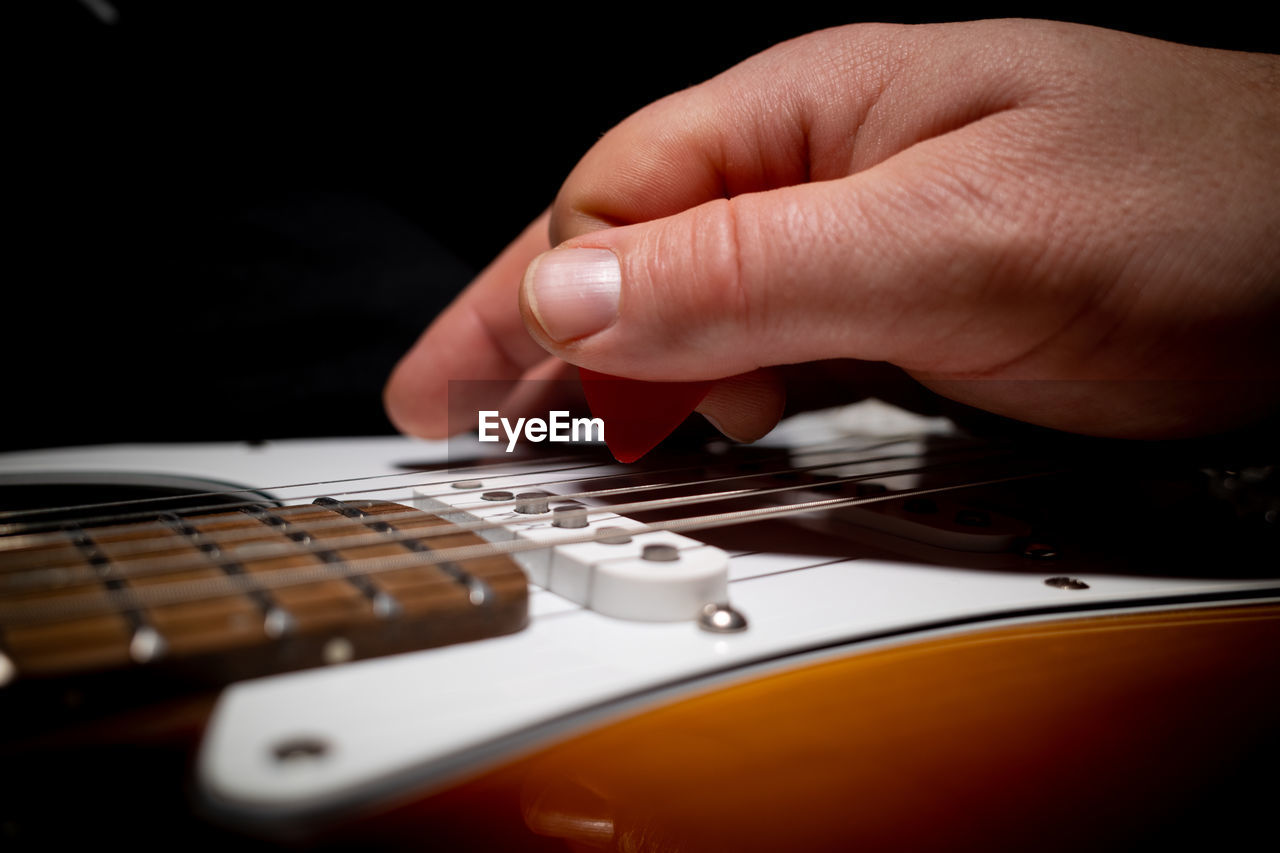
(1090, 668)
(1107, 733)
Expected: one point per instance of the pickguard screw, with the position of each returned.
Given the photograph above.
(1066, 583)
(300, 748)
(721, 619)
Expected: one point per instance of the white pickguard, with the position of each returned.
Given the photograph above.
(427, 717)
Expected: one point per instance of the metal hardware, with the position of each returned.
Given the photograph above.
(1066, 583)
(721, 619)
(300, 748)
(658, 553)
(569, 516)
(532, 503)
(620, 537)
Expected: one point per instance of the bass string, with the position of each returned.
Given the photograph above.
(18, 539)
(185, 592)
(139, 566)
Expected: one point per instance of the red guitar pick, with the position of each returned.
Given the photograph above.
(637, 415)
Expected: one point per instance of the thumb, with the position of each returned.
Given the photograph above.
(838, 196)
(859, 268)
(721, 292)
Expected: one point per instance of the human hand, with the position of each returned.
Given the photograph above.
(1068, 226)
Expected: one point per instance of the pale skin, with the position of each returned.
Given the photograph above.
(1071, 227)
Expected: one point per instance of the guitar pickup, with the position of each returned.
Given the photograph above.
(590, 555)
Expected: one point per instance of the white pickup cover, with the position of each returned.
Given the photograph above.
(631, 573)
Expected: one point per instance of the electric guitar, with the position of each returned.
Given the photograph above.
(860, 634)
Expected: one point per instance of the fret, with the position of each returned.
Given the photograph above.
(477, 591)
(258, 627)
(341, 599)
(91, 642)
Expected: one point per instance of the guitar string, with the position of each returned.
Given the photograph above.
(183, 592)
(455, 475)
(163, 541)
(68, 574)
(20, 513)
(28, 528)
(27, 539)
(229, 585)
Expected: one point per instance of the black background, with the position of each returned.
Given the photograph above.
(229, 219)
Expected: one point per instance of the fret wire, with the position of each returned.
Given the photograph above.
(8, 531)
(187, 591)
(175, 564)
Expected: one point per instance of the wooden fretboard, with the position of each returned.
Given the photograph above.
(215, 598)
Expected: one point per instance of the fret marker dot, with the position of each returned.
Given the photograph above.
(146, 645)
(277, 623)
(385, 607)
(338, 650)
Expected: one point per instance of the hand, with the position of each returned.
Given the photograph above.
(1068, 226)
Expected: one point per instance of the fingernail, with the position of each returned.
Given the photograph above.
(574, 292)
